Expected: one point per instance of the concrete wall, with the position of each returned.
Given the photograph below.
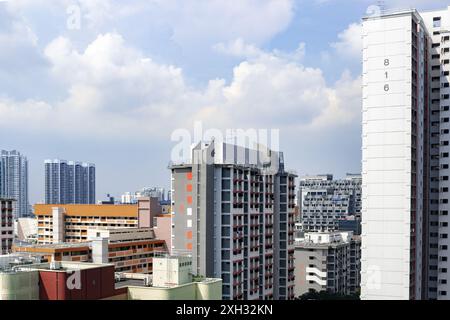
(192, 291)
(94, 284)
(182, 210)
(19, 286)
(163, 230)
(172, 271)
(390, 198)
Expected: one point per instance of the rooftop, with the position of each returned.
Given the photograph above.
(64, 266)
(141, 283)
(91, 210)
(62, 245)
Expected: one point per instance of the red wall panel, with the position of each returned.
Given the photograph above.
(97, 283)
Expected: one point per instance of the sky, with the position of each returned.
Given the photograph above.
(110, 81)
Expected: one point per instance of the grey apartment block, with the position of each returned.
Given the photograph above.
(328, 262)
(436, 277)
(14, 181)
(237, 218)
(330, 205)
(6, 225)
(69, 182)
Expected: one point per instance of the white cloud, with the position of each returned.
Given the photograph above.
(116, 91)
(223, 20)
(419, 4)
(190, 21)
(350, 42)
(239, 48)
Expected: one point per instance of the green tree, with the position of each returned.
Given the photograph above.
(324, 295)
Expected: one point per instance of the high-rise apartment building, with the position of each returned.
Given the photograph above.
(14, 181)
(328, 261)
(329, 205)
(233, 208)
(405, 234)
(69, 182)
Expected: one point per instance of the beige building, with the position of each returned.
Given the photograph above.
(26, 229)
(129, 249)
(207, 289)
(23, 282)
(163, 229)
(70, 222)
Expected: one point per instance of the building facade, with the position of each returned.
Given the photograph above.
(172, 280)
(328, 261)
(6, 225)
(130, 250)
(94, 281)
(233, 208)
(328, 205)
(406, 98)
(70, 222)
(14, 181)
(58, 281)
(69, 182)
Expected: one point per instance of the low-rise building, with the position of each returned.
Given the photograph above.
(129, 249)
(328, 261)
(25, 229)
(70, 222)
(67, 280)
(172, 279)
(61, 280)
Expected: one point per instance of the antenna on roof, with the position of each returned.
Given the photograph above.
(382, 5)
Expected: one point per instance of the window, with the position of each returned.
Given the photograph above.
(436, 22)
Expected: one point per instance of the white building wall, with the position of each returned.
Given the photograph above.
(386, 163)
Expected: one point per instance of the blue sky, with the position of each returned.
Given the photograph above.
(113, 90)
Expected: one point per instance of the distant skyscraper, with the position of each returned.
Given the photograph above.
(154, 192)
(14, 181)
(69, 182)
